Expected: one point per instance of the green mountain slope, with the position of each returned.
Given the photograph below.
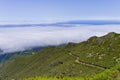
(109, 74)
(84, 59)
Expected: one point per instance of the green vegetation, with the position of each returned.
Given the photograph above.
(109, 74)
(65, 78)
(85, 59)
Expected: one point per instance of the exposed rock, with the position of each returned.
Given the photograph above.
(92, 38)
(100, 57)
(110, 35)
(110, 45)
(118, 60)
(90, 55)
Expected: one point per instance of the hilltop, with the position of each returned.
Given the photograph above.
(85, 59)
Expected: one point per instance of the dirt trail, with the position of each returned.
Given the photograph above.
(77, 60)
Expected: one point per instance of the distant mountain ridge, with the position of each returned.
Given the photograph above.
(66, 23)
(6, 56)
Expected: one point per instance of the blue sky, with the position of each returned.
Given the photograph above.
(37, 10)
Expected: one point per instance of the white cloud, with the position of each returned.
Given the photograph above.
(21, 38)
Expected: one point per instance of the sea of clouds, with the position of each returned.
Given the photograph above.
(14, 39)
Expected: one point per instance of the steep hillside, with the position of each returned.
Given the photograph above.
(84, 59)
(109, 74)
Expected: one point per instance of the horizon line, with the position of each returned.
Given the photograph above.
(51, 21)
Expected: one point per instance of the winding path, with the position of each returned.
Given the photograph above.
(77, 60)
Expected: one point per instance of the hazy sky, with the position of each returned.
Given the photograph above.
(36, 10)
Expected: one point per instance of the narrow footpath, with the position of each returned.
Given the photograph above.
(77, 60)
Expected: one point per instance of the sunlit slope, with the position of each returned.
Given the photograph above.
(84, 59)
(109, 74)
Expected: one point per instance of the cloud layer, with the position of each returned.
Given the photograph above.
(21, 38)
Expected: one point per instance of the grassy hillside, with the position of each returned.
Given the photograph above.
(85, 59)
(109, 74)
